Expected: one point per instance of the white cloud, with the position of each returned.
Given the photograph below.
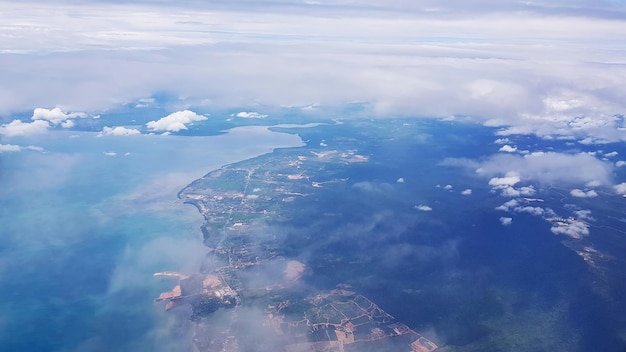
(547, 167)
(56, 116)
(507, 148)
(593, 183)
(250, 115)
(175, 122)
(509, 191)
(509, 205)
(621, 188)
(584, 215)
(506, 221)
(514, 205)
(527, 191)
(502, 141)
(549, 213)
(422, 207)
(582, 194)
(509, 180)
(620, 163)
(9, 148)
(19, 128)
(611, 154)
(568, 114)
(110, 153)
(447, 187)
(118, 131)
(573, 229)
(466, 192)
(537, 211)
(400, 180)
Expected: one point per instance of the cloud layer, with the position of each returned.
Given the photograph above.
(547, 69)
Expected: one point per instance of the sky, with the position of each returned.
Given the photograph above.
(552, 68)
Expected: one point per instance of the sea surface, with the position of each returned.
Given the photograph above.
(403, 231)
(87, 220)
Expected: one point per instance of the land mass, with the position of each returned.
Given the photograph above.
(249, 293)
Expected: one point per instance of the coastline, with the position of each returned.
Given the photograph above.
(109, 222)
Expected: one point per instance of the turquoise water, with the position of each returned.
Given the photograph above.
(85, 224)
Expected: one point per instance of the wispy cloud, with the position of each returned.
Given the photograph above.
(9, 148)
(423, 207)
(17, 148)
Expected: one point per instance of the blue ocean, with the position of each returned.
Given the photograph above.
(87, 220)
